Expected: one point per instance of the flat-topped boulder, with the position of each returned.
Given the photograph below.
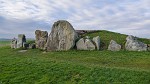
(62, 36)
(132, 44)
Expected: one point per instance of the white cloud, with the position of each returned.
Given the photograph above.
(128, 16)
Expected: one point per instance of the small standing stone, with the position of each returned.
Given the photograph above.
(14, 43)
(81, 45)
(89, 44)
(85, 44)
(113, 46)
(96, 40)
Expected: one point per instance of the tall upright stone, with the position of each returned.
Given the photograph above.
(21, 40)
(96, 40)
(62, 36)
(41, 38)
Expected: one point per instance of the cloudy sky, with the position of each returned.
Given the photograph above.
(123, 16)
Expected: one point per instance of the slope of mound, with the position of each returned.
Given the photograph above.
(107, 36)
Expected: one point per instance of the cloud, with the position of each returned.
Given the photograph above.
(123, 16)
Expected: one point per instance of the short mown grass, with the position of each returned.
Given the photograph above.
(71, 67)
(76, 67)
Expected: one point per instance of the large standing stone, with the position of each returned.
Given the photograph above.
(21, 40)
(14, 43)
(96, 40)
(41, 38)
(132, 44)
(62, 36)
(113, 46)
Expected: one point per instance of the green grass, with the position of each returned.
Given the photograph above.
(4, 43)
(71, 67)
(107, 36)
(76, 67)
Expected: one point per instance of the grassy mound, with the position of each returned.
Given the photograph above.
(107, 36)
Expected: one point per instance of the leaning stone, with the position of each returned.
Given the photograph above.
(62, 36)
(113, 46)
(132, 44)
(89, 44)
(96, 40)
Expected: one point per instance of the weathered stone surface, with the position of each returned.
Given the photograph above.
(113, 46)
(89, 44)
(21, 40)
(62, 36)
(81, 45)
(96, 41)
(32, 46)
(132, 44)
(41, 38)
(85, 44)
(14, 43)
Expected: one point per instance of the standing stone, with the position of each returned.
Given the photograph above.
(96, 40)
(81, 45)
(41, 38)
(62, 36)
(113, 46)
(14, 43)
(21, 40)
(85, 44)
(132, 44)
(89, 44)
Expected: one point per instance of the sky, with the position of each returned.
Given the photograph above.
(130, 17)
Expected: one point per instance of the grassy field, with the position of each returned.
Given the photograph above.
(76, 67)
(71, 67)
(4, 43)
